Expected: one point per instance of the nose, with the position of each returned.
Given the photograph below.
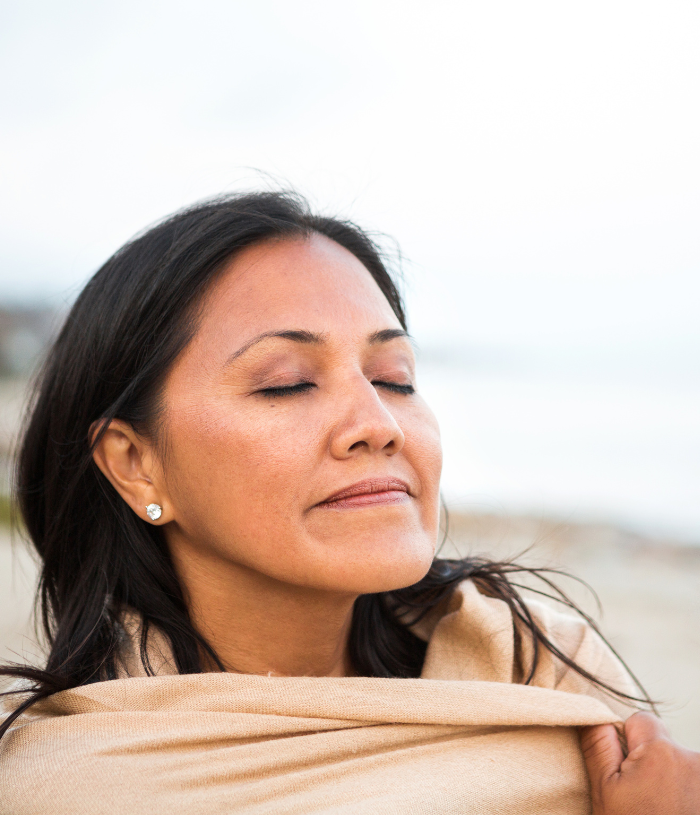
(365, 424)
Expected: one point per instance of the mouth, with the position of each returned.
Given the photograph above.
(372, 492)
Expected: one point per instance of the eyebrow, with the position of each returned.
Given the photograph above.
(388, 334)
(310, 338)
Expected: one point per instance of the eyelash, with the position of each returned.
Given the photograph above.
(289, 390)
(303, 387)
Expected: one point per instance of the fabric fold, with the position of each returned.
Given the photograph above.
(360, 699)
(461, 739)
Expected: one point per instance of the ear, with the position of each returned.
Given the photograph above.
(129, 463)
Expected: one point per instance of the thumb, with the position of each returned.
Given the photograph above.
(642, 728)
(602, 753)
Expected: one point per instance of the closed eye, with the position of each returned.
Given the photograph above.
(394, 387)
(287, 390)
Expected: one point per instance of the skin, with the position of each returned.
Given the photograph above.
(269, 568)
(657, 777)
(270, 572)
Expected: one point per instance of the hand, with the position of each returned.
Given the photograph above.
(657, 778)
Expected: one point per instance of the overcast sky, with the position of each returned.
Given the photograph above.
(537, 162)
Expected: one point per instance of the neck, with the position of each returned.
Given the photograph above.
(258, 625)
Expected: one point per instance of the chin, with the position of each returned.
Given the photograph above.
(388, 567)
(368, 552)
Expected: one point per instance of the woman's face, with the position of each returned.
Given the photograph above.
(296, 446)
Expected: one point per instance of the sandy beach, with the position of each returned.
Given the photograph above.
(649, 591)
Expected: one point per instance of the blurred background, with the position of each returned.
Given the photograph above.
(538, 166)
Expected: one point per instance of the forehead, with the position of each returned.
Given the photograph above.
(307, 283)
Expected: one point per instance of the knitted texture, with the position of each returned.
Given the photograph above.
(461, 739)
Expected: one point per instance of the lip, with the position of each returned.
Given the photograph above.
(368, 493)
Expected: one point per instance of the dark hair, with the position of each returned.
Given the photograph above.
(127, 327)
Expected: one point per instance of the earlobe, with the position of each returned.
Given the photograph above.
(127, 462)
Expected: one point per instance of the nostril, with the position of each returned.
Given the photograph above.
(363, 444)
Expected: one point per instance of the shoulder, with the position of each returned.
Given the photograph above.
(581, 644)
(477, 638)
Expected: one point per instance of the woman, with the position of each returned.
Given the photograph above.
(232, 483)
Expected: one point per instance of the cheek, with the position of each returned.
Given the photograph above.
(423, 446)
(236, 461)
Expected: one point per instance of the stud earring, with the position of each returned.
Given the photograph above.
(154, 511)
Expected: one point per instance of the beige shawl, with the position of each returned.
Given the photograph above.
(461, 739)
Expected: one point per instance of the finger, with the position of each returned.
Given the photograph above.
(602, 752)
(643, 727)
